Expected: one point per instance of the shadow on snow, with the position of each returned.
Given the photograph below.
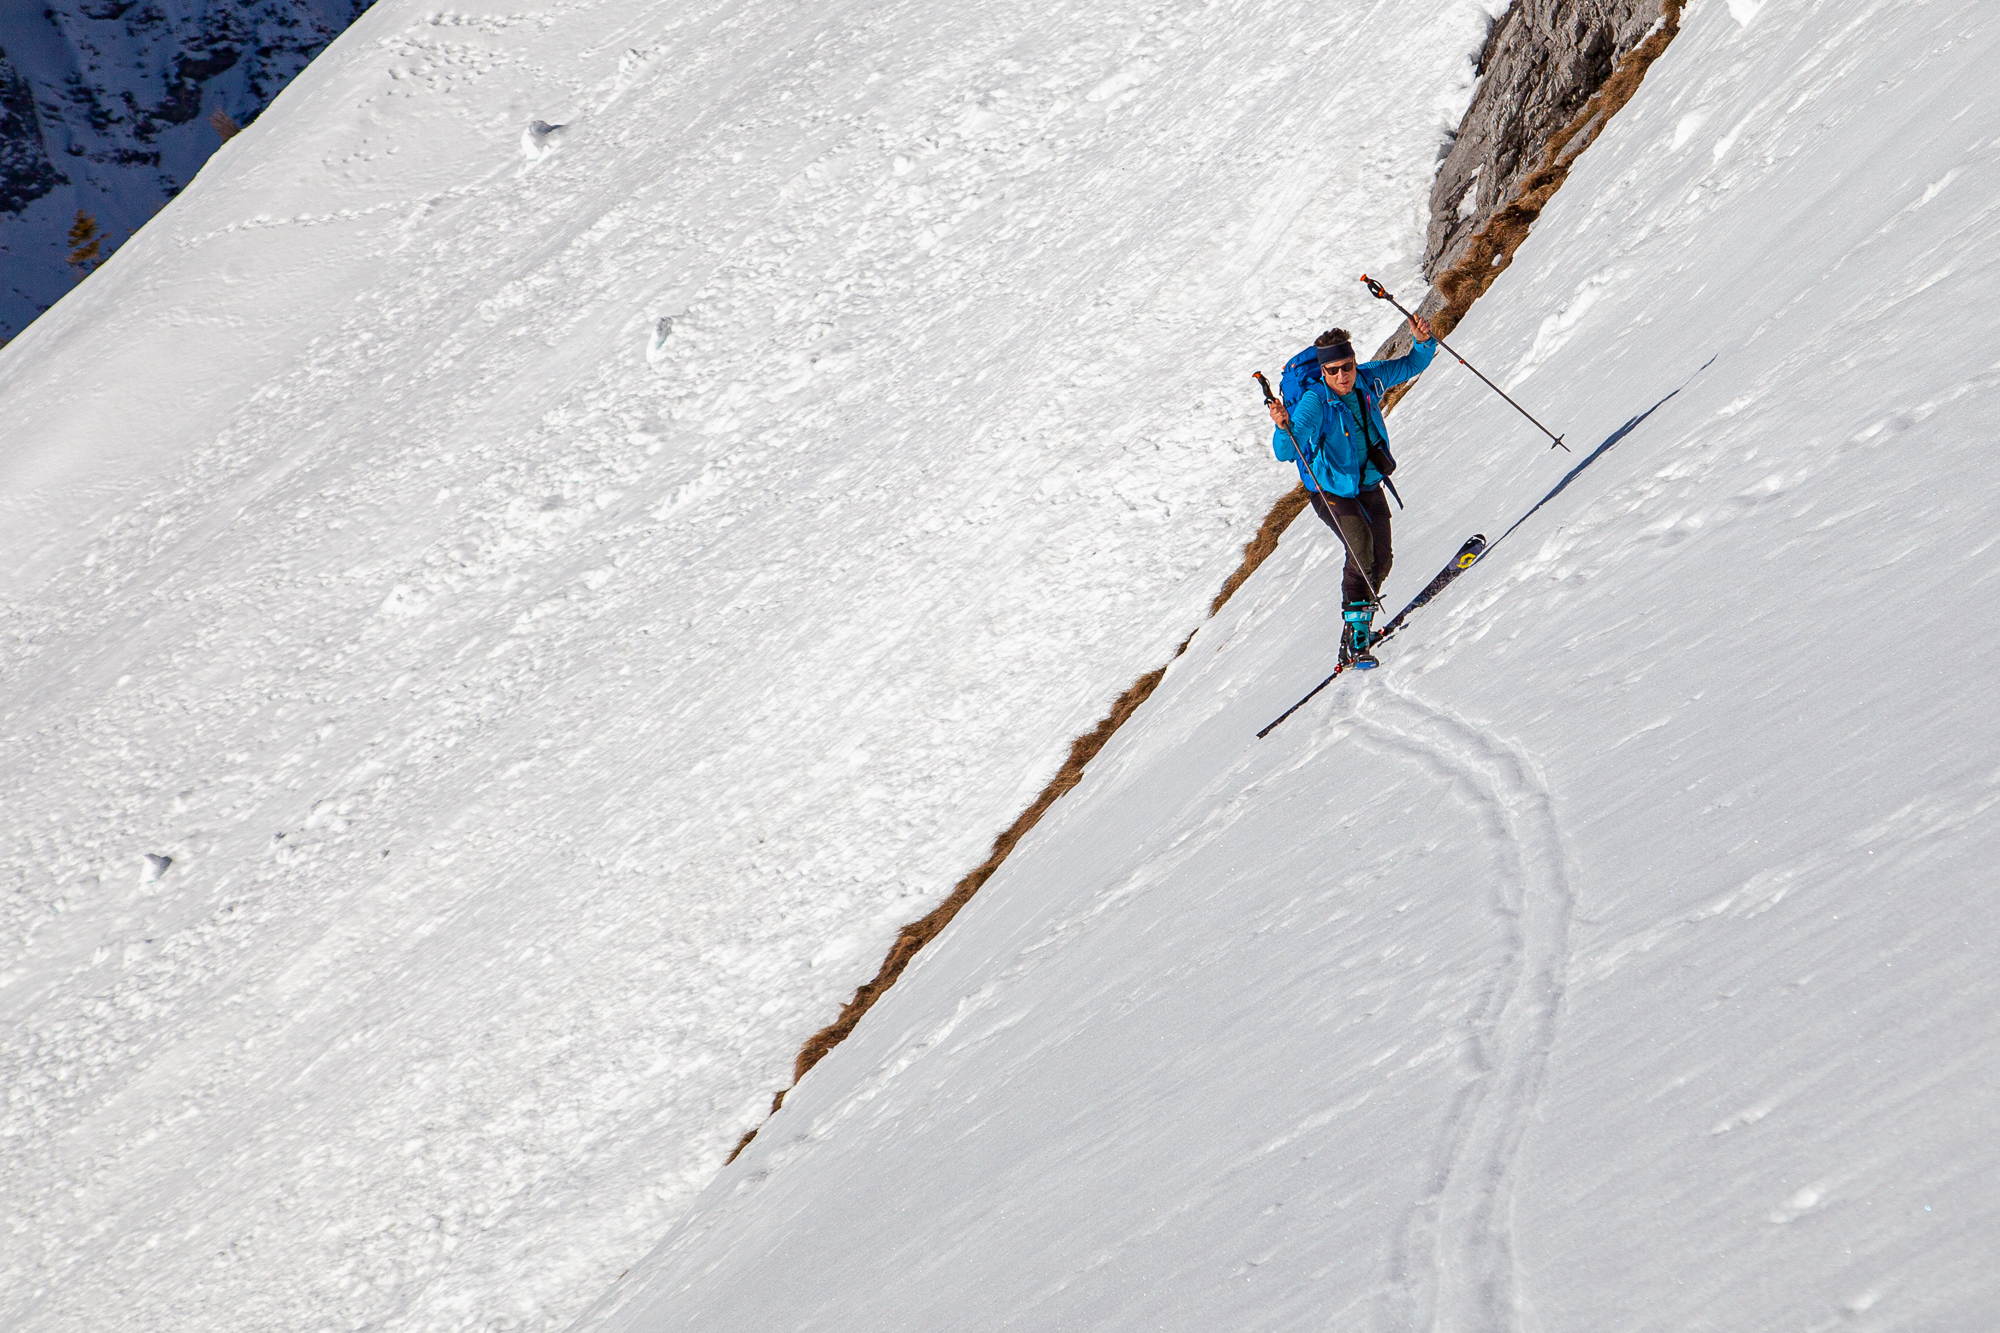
(1593, 456)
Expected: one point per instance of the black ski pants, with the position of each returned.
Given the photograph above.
(1364, 521)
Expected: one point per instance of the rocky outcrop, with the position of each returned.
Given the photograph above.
(1553, 74)
(26, 174)
(1542, 61)
(105, 107)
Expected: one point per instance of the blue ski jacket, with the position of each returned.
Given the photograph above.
(1336, 459)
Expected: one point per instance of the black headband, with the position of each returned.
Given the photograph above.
(1337, 352)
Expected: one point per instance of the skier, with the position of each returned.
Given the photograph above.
(1339, 428)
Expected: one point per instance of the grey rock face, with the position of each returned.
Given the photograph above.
(1542, 61)
(26, 174)
(104, 108)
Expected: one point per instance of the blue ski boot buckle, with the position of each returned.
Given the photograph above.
(1360, 617)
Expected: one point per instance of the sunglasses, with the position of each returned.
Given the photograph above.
(1338, 368)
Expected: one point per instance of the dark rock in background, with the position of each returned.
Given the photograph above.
(105, 106)
(26, 174)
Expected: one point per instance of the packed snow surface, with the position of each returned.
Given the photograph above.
(576, 525)
(1619, 956)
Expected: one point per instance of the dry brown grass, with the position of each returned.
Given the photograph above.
(925, 928)
(1462, 284)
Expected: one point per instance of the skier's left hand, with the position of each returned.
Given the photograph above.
(1421, 327)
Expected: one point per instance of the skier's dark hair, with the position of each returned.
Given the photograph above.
(1333, 345)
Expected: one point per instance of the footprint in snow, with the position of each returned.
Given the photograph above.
(656, 346)
(1124, 81)
(539, 140)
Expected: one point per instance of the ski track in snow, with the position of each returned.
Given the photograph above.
(1453, 1266)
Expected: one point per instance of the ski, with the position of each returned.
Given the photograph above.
(1468, 555)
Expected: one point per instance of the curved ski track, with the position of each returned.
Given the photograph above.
(1453, 1269)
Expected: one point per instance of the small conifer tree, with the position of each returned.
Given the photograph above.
(86, 243)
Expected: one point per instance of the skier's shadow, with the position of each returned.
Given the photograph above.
(1595, 454)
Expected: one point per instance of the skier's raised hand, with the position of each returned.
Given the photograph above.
(1420, 328)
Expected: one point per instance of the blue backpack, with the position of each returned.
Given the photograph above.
(1301, 372)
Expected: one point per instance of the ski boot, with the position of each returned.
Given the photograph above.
(1360, 636)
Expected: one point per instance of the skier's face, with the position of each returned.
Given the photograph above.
(1339, 375)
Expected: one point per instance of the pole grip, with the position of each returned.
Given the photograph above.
(1381, 293)
(1263, 383)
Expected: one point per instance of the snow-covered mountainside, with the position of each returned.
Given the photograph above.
(1619, 955)
(105, 109)
(572, 528)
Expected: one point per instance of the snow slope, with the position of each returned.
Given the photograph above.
(1619, 956)
(577, 524)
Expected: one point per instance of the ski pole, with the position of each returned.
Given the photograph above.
(1367, 582)
(1381, 293)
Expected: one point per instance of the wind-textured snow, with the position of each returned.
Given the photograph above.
(1619, 955)
(577, 524)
